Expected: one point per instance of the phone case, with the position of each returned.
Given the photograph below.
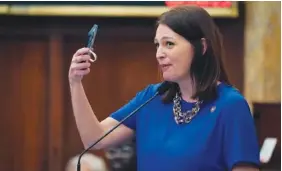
(92, 35)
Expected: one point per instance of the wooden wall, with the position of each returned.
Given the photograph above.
(37, 128)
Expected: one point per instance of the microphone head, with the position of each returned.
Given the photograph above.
(163, 87)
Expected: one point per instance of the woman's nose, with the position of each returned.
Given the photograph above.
(160, 53)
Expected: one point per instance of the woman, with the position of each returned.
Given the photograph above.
(200, 123)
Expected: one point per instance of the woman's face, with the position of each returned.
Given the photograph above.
(174, 54)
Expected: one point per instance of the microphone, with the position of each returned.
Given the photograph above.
(161, 90)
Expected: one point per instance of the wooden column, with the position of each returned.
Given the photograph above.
(263, 52)
(55, 103)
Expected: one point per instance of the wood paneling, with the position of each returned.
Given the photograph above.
(55, 103)
(233, 37)
(22, 102)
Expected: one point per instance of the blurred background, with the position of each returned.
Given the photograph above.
(38, 39)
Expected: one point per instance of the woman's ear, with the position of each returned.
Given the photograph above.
(204, 45)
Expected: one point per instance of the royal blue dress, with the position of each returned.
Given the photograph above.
(221, 135)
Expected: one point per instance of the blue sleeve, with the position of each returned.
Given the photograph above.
(140, 98)
(240, 139)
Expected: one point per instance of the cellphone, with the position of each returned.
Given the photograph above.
(92, 35)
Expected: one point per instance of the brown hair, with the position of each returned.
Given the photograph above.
(194, 23)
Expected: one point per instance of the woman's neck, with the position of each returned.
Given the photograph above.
(187, 89)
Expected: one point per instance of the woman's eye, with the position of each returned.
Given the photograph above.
(169, 44)
(157, 45)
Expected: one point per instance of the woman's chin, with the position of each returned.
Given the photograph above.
(168, 77)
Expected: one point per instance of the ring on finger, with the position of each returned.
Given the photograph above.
(94, 56)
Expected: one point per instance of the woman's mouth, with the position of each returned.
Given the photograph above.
(165, 67)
